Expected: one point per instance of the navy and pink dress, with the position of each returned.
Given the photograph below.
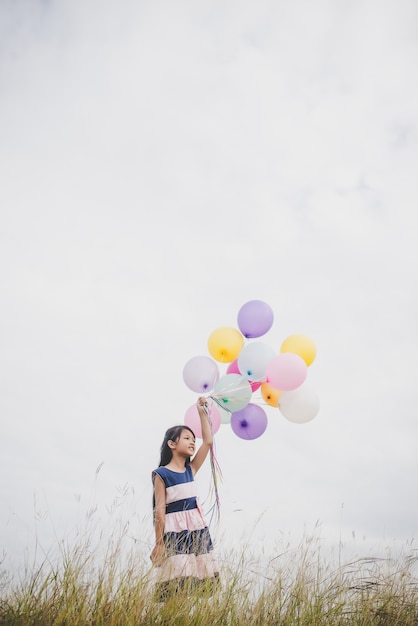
(187, 541)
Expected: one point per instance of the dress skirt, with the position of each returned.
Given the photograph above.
(190, 560)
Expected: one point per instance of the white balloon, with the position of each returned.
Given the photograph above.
(299, 405)
(254, 359)
(232, 392)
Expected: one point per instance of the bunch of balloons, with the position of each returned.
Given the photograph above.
(252, 365)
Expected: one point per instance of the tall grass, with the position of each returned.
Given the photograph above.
(88, 585)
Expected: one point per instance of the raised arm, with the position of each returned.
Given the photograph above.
(202, 453)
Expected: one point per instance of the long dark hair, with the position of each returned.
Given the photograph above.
(166, 454)
(172, 434)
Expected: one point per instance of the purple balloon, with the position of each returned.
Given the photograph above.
(200, 374)
(250, 422)
(255, 318)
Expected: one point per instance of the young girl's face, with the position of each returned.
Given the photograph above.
(186, 443)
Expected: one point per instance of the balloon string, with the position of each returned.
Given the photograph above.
(229, 391)
(219, 403)
(215, 509)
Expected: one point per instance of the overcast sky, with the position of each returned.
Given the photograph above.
(162, 163)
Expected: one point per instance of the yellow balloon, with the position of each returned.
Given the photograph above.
(225, 344)
(301, 345)
(270, 394)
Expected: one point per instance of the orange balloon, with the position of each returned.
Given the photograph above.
(225, 344)
(270, 394)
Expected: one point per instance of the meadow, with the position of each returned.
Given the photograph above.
(103, 584)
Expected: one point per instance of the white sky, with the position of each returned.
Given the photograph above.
(162, 163)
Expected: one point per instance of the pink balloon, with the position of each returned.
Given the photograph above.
(286, 371)
(192, 419)
(233, 369)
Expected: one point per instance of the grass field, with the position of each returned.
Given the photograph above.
(106, 585)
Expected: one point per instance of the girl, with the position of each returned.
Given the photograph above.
(183, 551)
